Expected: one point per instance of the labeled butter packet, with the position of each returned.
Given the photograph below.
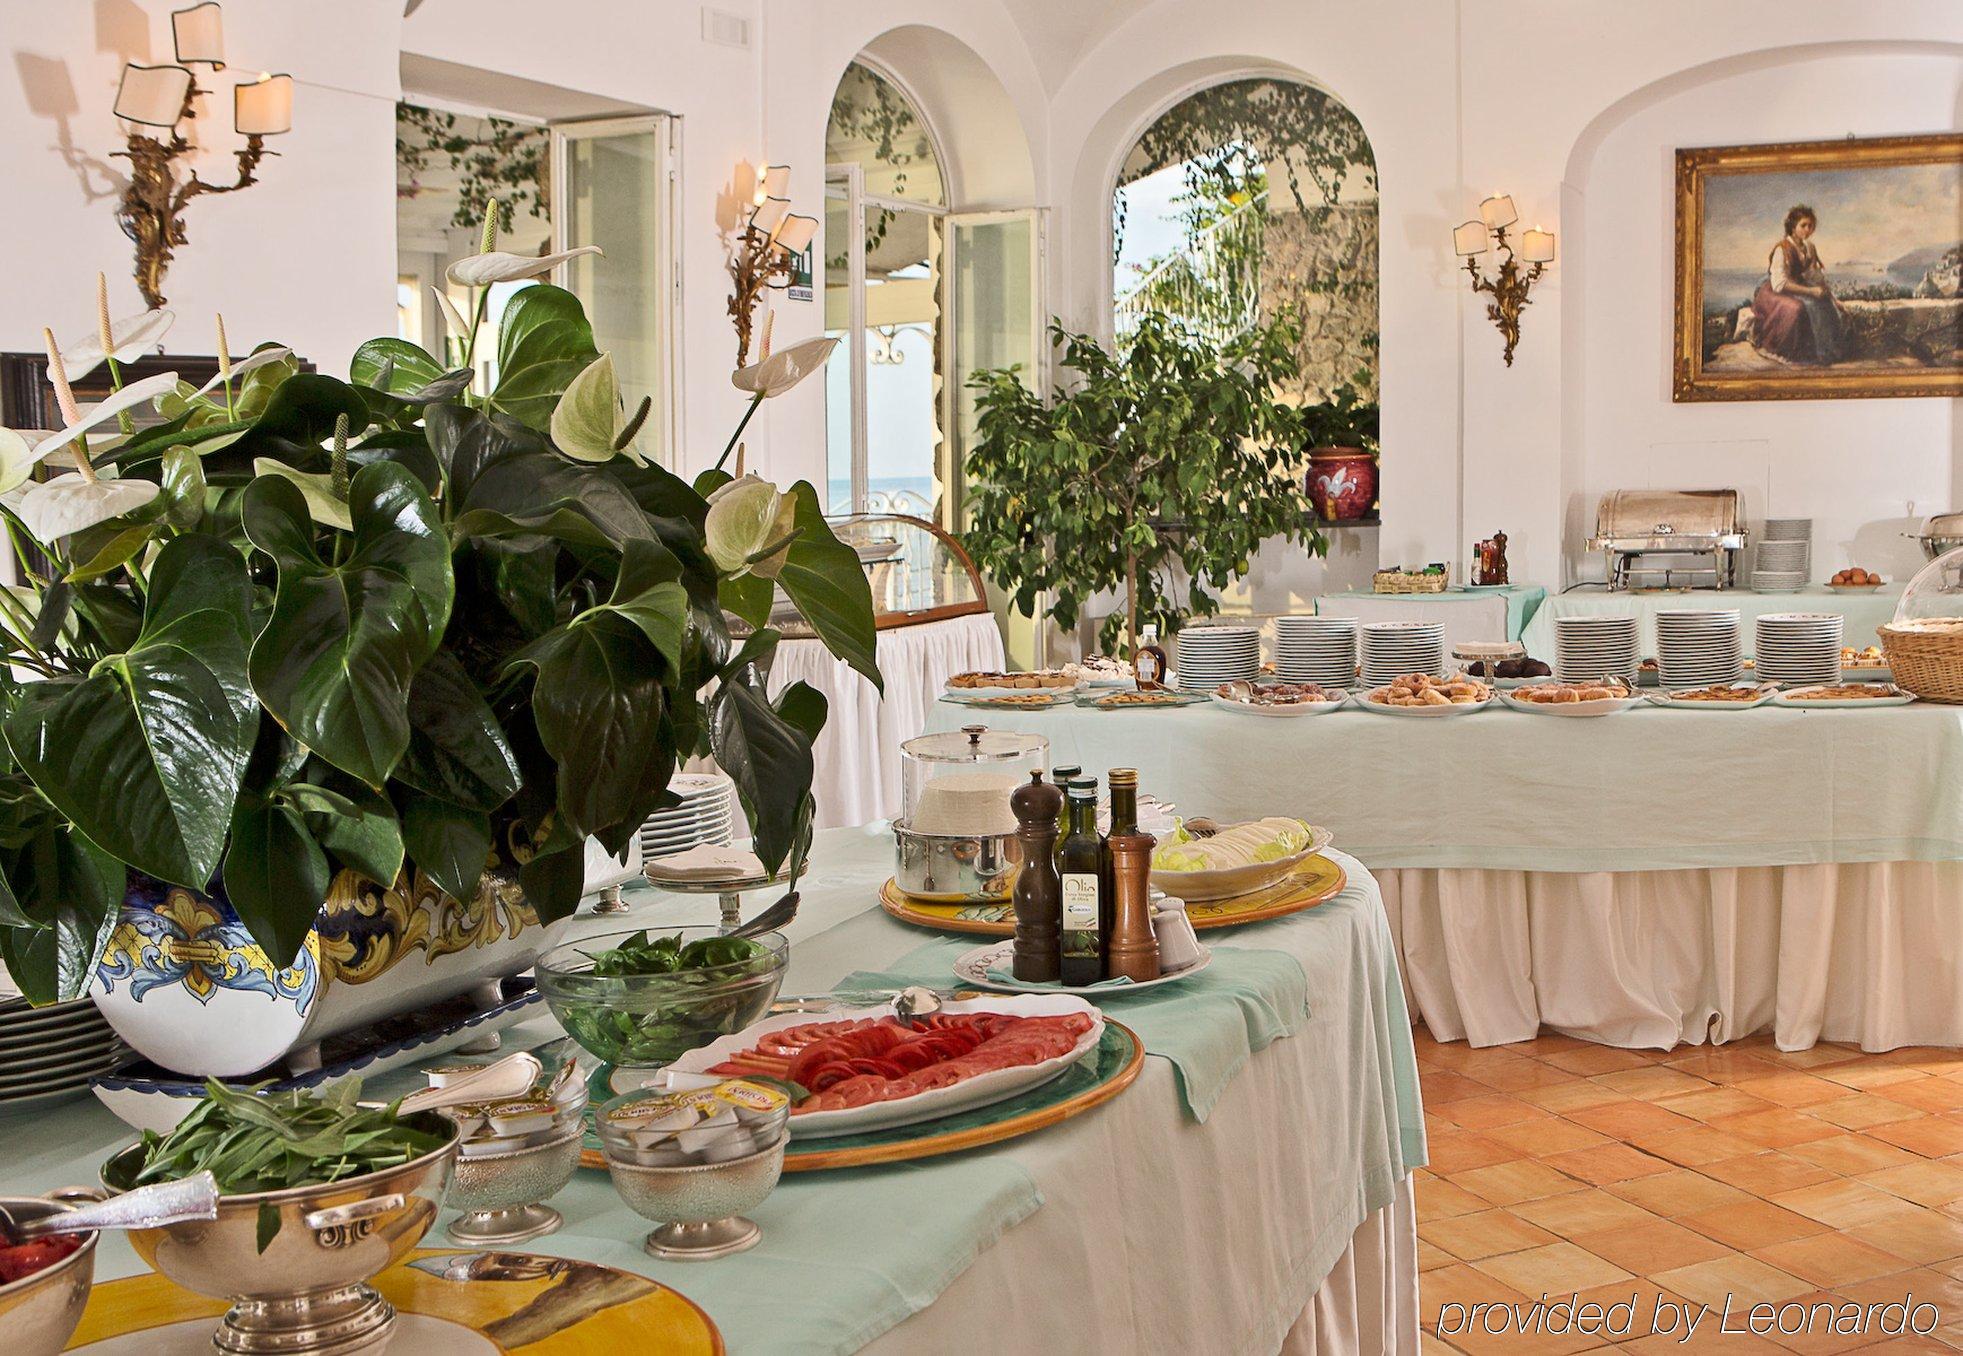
(731, 1119)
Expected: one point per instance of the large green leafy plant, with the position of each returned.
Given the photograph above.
(1171, 452)
(411, 621)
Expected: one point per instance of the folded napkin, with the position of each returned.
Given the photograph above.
(1002, 974)
(1207, 1025)
(705, 862)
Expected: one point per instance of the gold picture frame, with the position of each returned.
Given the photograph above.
(1718, 354)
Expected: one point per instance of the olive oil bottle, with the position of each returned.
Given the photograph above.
(1080, 861)
(1124, 820)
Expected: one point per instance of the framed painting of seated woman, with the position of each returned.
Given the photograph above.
(1820, 269)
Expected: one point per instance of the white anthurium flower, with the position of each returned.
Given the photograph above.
(17, 459)
(252, 362)
(55, 508)
(133, 336)
(746, 517)
(588, 420)
(481, 270)
(782, 370)
(453, 320)
(128, 398)
(317, 488)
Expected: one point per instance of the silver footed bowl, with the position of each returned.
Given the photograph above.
(949, 868)
(702, 1204)
(307, 1292)
(38, 1313)
(503, 1195)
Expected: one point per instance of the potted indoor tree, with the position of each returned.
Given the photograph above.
(1341, 435)
(321, 687)
(1171, 450)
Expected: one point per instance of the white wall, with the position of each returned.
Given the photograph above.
(1865, 470)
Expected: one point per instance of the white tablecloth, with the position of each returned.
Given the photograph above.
(858, 751)
(1867, 953)
(1862, 612)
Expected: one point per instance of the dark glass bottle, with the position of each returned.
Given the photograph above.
(1081, 865)
(1124, 820)
(1038, 893)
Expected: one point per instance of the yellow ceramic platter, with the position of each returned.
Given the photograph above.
(1315, 880)
(449, 1302)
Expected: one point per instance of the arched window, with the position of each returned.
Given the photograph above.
(885, 204)
(1247, 197)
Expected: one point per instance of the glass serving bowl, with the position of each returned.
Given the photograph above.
(644, 1021)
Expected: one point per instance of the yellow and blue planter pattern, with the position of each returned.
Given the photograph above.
(185, 985)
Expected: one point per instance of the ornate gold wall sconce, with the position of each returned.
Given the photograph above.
(1511, 287)
(766, 250)
(164, 98)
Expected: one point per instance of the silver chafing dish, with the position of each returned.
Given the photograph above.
(1679, 534)
(1943, 532)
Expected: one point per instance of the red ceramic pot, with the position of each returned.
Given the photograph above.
(1342, 482)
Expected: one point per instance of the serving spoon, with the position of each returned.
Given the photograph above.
(147, 1207)
(513, 1076)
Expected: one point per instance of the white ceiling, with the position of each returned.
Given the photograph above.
(1060, 32)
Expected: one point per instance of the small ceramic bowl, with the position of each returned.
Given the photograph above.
(39, 1312)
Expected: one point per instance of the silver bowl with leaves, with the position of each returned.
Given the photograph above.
(39, 1311)
(295, 1262)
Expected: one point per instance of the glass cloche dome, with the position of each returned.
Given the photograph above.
(1934, 595)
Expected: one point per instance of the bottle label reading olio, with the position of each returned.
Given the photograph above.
(1079, 914)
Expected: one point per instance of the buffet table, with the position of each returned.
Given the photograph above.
(1654, 877)
(858, 752)
(1282, 1220)
(1468, 614)
(1863, 611)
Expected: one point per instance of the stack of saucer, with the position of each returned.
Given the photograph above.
(50, 1054)
(1316, 650)
(1798, 647)
(1587, 648)
(1698, 648)
(1393, 649)
(1784, 560)
(705, 815)
(1212, 655)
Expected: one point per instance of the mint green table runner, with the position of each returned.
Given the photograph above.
(911, 1257)
(1513, 607)
(1207, 1026)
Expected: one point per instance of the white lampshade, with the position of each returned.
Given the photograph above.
(1470, 238)
(796, 233)
(153, 95)
(774, 181)
(200, 34)
(769, 215)
(263, 107)
(1537, 246)
(1497, 211)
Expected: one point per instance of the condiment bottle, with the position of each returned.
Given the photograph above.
(1133, 948)
(1148, 662)
(1038, 891)
(1124, 819)
(1081, 866)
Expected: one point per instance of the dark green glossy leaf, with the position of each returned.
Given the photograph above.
(276, 875)
(824, 578)
(544, 341)
(334, 661)
(69, 891)
(448, 843)
(299, 420)
(362, 833)
(393, 365)
(750, 597)
(457, 749)
(554, 882)
(768, 757)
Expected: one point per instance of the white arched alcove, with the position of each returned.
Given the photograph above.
(1865, 470)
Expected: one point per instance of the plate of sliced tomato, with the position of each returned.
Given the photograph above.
(864, 1070)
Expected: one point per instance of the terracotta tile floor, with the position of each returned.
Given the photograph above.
(1685, 1176)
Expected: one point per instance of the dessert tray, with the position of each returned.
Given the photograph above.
(1843, 696)
(1535, 698)
(1689, 699)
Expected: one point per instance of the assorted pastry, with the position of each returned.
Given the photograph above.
(1522, 667)
(1422, 689)
(1047, 680)
(1555, 694)
(1276, 694)
(1843, 692)
(1719, 693)
(1020, 699)
(1118, 699)
(1869, 657)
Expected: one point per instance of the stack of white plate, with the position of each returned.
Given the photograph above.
(1784, 559)
(1587, 648)
(1212, 655)
(1798, 647)
(1316, 650)
(1698, 648)
(50, 1054)
(706, 815)
(1392, 649)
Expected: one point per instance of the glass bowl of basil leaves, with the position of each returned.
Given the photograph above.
(640, 1000)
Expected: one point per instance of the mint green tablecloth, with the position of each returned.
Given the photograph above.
(1208, 1025)
(1511, 608)
(1328, 1119)
(1862, 612)
(1643, 790)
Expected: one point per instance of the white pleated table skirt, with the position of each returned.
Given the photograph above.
(1868, 953)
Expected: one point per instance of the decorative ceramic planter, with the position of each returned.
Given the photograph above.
(1342, 482)
(185, 985)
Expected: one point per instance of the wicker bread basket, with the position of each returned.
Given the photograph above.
(1410, 581)
(1926, 657)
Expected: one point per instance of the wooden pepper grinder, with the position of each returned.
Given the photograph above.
(1133, 950)
(1038, 894)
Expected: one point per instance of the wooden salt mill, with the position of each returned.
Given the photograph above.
(1038, 896)
(1132, 948)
